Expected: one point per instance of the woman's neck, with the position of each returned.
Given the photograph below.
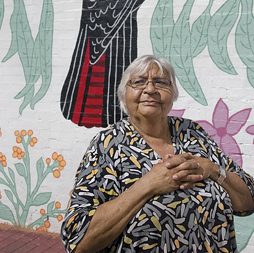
(152, 129)
(156, 134)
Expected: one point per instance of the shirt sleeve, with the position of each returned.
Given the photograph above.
(95, 183)
(216, 155)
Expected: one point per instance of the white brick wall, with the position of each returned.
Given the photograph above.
(56, 134)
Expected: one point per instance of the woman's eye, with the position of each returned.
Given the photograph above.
(139, 81)
(161, 82)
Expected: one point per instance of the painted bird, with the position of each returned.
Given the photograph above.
(106, 45)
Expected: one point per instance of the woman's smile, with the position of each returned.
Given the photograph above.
(149, 102)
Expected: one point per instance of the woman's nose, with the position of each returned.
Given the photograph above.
(150, 87)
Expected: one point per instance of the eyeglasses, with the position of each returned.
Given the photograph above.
(141, 83)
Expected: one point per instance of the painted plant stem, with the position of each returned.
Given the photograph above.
(33, 197)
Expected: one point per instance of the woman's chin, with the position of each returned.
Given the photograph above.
(151, 112)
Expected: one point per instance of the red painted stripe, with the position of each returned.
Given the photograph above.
(96, 84)
(90, 125)
(95, 96)
(92, 114)
(93, 111)
(91, 101)
(94, 107)
(82, 87)
(90, 121)
(96, 90)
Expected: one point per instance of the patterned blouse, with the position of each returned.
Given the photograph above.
(193, 220)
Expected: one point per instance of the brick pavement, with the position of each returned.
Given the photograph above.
(20, 240)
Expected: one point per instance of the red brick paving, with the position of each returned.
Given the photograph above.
(20, 240)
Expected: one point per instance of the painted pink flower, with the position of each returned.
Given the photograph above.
(223, 128)
(176, 113)
(250, 130)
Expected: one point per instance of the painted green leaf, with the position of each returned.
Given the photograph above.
(161, 28)
(243, 224)
(27, 99)
(2, 181)
(180, 55)
(6, 213)
(36, 57)
(40, 168)
(20, 169)
(41, 198)
(50, 207)
(35, 70)
(46, 42)
(12, 175)
(199, 31)
(219, 29)
(244, 38)
(25, 40)
(40, 222)
(13, 21)
(1, 12)
(250, 75)
(9, 195)
(35, 65)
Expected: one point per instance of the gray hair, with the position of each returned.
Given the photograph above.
(139, 66)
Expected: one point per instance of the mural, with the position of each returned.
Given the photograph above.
(35, 55)
(106, 45)
(180, 43)
(24, 172)
(250, 130)
(88, 105)
(224, 128)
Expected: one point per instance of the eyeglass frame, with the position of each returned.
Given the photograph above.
(129, 83)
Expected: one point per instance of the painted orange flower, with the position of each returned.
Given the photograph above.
(16, 133)
(19, 139)
(56, 173)
(59, 217)
(54, 156)
(3, 160)
(30, 132)
(46, 223)
(58, 205)
(59, 158)
(23, 133)
(18, 152)
(43, 228)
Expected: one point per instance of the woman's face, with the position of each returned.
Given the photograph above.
(149, 102)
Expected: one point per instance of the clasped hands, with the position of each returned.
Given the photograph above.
(179, 172)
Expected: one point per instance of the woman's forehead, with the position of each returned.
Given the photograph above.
(155, 68)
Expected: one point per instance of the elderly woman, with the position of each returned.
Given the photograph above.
(153, 183)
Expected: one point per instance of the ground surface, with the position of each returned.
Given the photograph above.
(20, 240)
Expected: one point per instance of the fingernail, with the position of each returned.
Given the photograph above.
(174, 176)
